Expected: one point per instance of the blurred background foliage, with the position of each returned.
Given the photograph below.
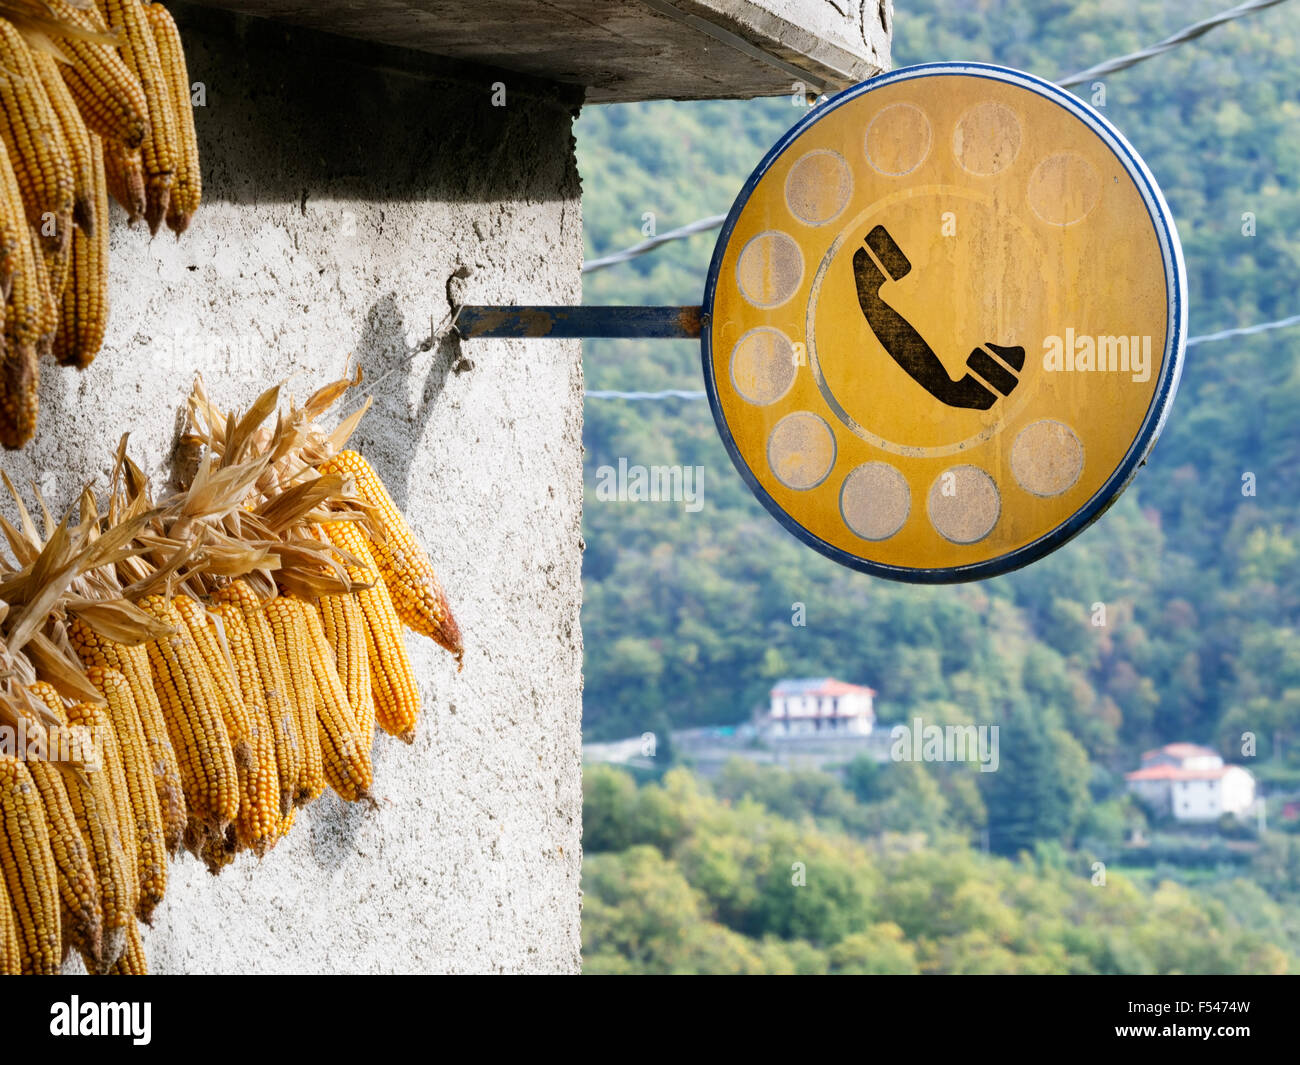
(687, 616)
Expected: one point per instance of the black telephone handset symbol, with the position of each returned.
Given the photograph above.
(906, 346)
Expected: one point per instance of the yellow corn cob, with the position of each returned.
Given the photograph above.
(146, 813)
(24, 317)
(288, 628)
(76, 137)
(58, 266)
(34, 139)
(262, 680)
(132, 962)
(249, 732)
(133, 664)
(348, 768)
(96, 720)
(286, 822)
(136, 42)
(396, 694)
(230, 701)
(11, 953)
(81, 912)
(124, 176)
(110, 97)
(91, 796)
(208, 775)
(403, 563)
(187, 190)
(13, 222)
(27, 866)
(345, 629)
(83, 316)
(113, 787)
(48, 303)
(48, 694)
(75, 140)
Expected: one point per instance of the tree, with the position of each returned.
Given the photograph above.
(1039, 789)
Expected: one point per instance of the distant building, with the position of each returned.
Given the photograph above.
(1191, 783)
(820, 706)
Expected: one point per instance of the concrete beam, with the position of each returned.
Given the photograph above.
(623, 50)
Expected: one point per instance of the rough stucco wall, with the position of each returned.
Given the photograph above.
(339, 199)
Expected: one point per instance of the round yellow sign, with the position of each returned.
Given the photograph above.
(944, 322)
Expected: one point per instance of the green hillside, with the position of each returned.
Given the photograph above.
(771, 872)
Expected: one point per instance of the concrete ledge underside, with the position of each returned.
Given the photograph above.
(624, 50)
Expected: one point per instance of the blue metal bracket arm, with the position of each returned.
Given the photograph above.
(562, 323)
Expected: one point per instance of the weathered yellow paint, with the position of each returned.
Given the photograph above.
(1019, 224)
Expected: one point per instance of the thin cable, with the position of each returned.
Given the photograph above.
(1187, 33)
(1245, 331)
(1205, 338)
(668, 393)
(699, 226)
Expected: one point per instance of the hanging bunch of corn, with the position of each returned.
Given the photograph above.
(77, 828)
(95, 100)
(195, 669)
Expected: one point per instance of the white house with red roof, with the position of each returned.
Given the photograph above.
(820, 706)
(1192, 783)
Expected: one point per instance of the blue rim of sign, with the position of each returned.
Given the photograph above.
(1161, 401)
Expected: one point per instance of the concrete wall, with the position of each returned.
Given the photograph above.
(344, 185)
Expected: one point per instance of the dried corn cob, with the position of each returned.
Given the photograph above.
(208, 775)
(27, 866)
(49, 695)
(219, 851)
(259, 798)
(287, 620)
(396, 694)
(132, 746)
(287, 821)
(34, 139)
(241, 610)
(58, 267)
(136, 42)
(45, 293)
(403, 563)
(11, 954)
(124, 176)
(76, 137)
(96, 720)
(91, 797)
(110, 97)
(348, 768)
(133, 664)
(13, 222)
(24, 317)
(132, 962)
(187, 190)
(82, 914)
(83, 317)
(345, 629)
(80, 904)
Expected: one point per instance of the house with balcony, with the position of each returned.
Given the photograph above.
(819, 706)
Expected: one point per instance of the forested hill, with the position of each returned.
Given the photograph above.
(688, 615)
